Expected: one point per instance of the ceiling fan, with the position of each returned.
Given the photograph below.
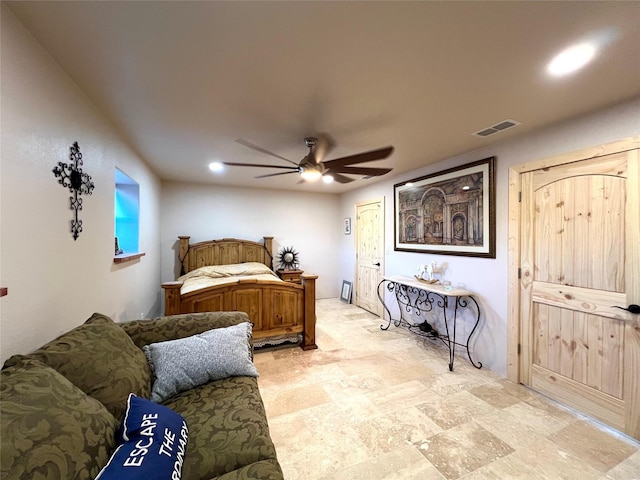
(313, 167)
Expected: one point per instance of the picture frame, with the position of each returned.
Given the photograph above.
(347, 226)
(345, 292)
(451, 212)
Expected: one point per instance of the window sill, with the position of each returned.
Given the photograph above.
(127, 257)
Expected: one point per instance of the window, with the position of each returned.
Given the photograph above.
(127, 215)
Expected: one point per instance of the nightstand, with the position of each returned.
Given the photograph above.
(291, 276)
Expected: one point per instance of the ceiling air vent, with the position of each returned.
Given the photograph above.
(497, 128)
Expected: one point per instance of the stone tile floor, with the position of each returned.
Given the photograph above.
(372, 404)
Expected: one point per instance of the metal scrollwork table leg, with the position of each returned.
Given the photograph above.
(416, 300)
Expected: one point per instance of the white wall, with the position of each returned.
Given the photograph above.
(54, 282)
(308, 222)
(488, 277)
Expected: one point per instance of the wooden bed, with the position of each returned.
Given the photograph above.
(279, 310)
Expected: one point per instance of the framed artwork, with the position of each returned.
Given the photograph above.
(347, 226)
(345, 293)
(451, 212)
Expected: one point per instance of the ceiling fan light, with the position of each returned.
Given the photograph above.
(327, 178)
(310, 174)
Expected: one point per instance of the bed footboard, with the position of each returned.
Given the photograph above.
(275, 308)
(309, 333)
(172, 298)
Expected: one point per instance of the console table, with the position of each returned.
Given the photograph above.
(413, 295)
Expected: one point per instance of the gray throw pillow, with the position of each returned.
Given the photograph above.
(186, 363)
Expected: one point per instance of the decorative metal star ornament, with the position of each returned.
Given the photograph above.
(288, 258)
(70, 175)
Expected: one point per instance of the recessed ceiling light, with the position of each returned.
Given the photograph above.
(216, 167)
(571, 59)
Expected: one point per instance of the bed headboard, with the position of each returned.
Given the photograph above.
(223, 251)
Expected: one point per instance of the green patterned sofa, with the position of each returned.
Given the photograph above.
(60, 406)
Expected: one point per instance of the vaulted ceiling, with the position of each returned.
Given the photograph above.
(184, 80)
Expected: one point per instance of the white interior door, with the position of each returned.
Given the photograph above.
(369, 229)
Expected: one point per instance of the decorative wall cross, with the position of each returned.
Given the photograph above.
(71, 175)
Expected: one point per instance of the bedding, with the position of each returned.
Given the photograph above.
(223, 274)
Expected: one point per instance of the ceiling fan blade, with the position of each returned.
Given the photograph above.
(341, 178)
(324, 145)
(369, 171)
(262, 150)
(359, 158)
(274, 174)
(235, 164)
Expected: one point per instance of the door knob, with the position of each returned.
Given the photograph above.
(377, 264)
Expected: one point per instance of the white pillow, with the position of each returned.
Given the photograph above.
(186, 363)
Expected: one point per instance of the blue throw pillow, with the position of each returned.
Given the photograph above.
(153, 444)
